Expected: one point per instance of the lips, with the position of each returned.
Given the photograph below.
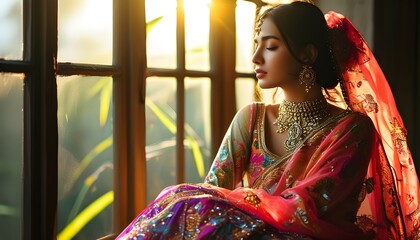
(260, 73)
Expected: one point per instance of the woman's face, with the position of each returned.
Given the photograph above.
(274, 64)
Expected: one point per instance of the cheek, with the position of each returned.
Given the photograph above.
(283, 64)
(280, 65)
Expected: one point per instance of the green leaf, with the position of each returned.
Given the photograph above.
(198, 157)
(196, 49)
(104, 87)
(171, 126)
(99, 85)
(166, 121)
(98, 149)
(84, 217)
(152, 23)
(105, 103)
(8, 211)
(89, 181)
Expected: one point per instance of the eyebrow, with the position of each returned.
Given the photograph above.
(265, 38)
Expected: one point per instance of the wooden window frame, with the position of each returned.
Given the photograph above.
(40, 119)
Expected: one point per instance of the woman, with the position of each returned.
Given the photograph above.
(304, 168)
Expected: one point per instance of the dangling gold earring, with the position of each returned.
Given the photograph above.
(307, 76)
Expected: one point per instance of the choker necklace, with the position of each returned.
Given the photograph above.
(299, 119)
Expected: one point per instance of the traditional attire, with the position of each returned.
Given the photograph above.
(344, 180)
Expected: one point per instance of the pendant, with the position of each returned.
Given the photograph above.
(294, 135)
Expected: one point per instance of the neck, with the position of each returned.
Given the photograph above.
(299, 95)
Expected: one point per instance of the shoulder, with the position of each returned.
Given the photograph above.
(250, 109)
(248, 115)
(358, 117)
(258, 109)
(357, 120)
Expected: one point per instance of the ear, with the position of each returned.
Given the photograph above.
(309, 54)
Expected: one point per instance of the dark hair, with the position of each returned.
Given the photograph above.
(300, 24)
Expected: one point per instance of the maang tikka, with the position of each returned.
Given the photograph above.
(307, 76)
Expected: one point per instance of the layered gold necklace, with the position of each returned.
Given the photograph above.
(299, 119)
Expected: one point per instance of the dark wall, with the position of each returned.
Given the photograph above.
(397, 49)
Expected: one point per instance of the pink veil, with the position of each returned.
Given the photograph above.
(366, 90)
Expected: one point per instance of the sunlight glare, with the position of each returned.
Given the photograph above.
(161, 39)
(198, 21)
(197, 28)
(245, 15)
(85, 31)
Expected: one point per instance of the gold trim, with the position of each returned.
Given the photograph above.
(258, 182)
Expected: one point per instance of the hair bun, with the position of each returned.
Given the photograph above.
(347, 44)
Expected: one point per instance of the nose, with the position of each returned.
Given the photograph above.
(257, 58)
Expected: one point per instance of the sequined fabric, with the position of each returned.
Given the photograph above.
(250, 193)
(199, 212)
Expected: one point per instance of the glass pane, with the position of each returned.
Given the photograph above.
(11, 38)
(85, 157)
(245, 91)
(197, 129)
(161, 33)
(197, 25)
(160, 134)
(245, 15)
(85, 31)
(11, 156)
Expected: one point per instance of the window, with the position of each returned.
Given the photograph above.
(108, 122)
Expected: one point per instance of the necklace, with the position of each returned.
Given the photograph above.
(299, 119)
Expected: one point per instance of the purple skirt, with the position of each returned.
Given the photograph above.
(196, 212)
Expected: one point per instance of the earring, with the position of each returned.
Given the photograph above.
(307, 76)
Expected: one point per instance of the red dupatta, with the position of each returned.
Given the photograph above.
(368, 92)
(391, 190)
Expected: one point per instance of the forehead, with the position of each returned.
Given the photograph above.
(268, 28)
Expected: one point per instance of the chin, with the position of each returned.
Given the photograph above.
(264, 85)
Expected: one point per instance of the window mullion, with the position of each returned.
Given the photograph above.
(129, 115)
(180, 98)
(222, 60)
(137, 73)
(40, 120)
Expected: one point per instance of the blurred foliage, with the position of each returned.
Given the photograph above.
(11, 159)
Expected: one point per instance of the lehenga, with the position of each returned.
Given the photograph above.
(351, 178)
(297, 196)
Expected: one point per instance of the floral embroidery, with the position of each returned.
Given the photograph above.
(192, 222)
(289, 179)
(398, 134)
(415, 218)
(301, 214)
(252, 198)
(369, 103)
(321, 191)
(367, 188)
(366, 102)
(365, 223)
(415, 235)
(223, 153)
(368, 184)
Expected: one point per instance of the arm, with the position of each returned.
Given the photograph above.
(232, 158)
